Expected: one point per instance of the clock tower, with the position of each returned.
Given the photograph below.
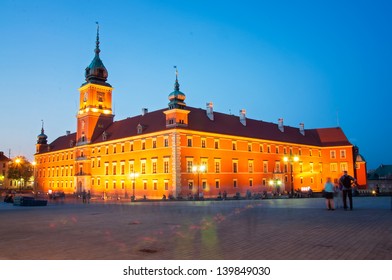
(95, 101)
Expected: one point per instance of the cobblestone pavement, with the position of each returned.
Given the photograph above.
(272, 229)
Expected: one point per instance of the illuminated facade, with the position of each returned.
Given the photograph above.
(155, 153)
(4, 161)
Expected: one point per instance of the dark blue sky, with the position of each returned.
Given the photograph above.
(323, 63)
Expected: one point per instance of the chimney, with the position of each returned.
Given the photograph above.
(68, 132)
(302, 128)
(144, 111)
(243, 117)
(210, 111)
(280, 124)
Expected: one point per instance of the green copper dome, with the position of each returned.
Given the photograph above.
(177, 97)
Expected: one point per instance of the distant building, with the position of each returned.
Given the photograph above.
(181, 150)
(4, 161)
(381, 177)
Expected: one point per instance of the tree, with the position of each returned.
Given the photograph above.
(20, 169)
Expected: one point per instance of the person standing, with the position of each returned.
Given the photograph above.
(329, 189)
(345, 181)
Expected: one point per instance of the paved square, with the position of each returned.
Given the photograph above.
(273, 229)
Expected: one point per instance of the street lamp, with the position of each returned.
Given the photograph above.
(17, 162)
(198, 169)
(291, 160)
(133, 176)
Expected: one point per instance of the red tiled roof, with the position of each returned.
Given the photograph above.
(3, 157)
(222, 124)
(63, 142)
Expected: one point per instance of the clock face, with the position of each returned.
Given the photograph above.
(85, 97)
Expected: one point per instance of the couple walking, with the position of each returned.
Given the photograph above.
(345, 183)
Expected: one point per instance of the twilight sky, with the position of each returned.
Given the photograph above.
(323, 63)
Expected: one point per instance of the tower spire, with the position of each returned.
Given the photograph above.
(96, 72)
(176, 84)
(97, 50)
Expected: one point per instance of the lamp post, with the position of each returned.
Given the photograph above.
(291, 160)
(198, 169)
(18, 161)
(133, 176)
(34, 190)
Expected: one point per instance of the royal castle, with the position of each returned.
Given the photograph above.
(181, 150)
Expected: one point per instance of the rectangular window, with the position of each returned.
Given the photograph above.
(190, 185)
(131, 166)
(122, 168)
(333, 154)
(216, 142)
(250, 182)
(145, 184)
(154, 143)
(249, 147)
(265, 166)
(166, 166)
(154, 167)
(334, 167)
(122, 185)
(204, 162)
(311, 165)
(166, 183)
(342, 154)
(106, 168)
(235, 166)
(189, 165)
(234, 144)
(122, 148)
(277, 167)
(234, 183)
(203, 143)
(114, 184)
(166, 142)
(250, 166)
(143, 165)
(343, 166)
(217, 166)
(143, 145)
(155, 185)
(114, 169)
(189, 141)
(217, 184)
(131, 146)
